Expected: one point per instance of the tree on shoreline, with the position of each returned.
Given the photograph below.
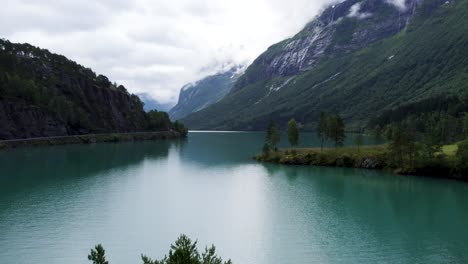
(377, 134)
(402, 147)
(323, 128)
(331, 127)
(465, 125)
(359, 140)
(273, 136)
(462, 158)
(293, 133)
(337, 130)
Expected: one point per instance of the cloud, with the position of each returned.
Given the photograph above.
(355, 11)
(156, 46)
(400, 4)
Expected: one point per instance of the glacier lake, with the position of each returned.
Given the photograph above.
(56, 203)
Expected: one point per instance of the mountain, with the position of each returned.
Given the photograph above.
(357, 59)
(44, 94)
(152, 104)
(197, 96)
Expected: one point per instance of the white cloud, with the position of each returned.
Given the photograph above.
(155, 46)
(400, 4)
(355, 11)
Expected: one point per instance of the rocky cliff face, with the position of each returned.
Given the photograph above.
(19, 119)
(340, 29)
(197, 96)
(44, 94)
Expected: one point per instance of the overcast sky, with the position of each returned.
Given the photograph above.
(155, 46)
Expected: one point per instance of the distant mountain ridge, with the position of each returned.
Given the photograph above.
(152, 104)
(358, 59)
(196, 96)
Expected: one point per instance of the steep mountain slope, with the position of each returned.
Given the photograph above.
(354, 63)
(44, 94)
(197, 96)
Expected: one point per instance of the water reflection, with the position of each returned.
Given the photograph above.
(24, 168)
(55, 203)
(372, 215)
(214, 149)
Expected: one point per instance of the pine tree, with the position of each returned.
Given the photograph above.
(273, 136)
(323, 128)
(359, 140)
(97, 255)
(293, 133)
(184, 251)
(465, 125)
(337, 130)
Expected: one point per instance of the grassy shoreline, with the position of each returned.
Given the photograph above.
(89, 139)
(366, 157)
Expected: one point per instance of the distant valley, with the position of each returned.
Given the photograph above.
(152, 104)
(196, 96)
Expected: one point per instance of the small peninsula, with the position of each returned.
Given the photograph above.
(408, 151)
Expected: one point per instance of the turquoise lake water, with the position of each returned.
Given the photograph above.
(58, 202)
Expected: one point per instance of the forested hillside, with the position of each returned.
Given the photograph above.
(44, 94)
(359, 64)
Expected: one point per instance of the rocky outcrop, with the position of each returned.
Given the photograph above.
(19, 119)
(370, 163)
(340, 29)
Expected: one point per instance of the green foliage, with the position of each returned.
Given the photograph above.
(336, 130)
(462, 158)
(340, 157)
(293, 132)
(428, 61)
(71, 94)
(331, 127)
(273, 136)
(442, 126)
(158, 121)
(359, 140)
(184, 251)
(209, 257)
(465, 125)
(403, 150)
(323, 128)
(266, 149)
(179, 127)
(377, 133)
(97, 255)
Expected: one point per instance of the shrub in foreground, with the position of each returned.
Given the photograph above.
(183, 251)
